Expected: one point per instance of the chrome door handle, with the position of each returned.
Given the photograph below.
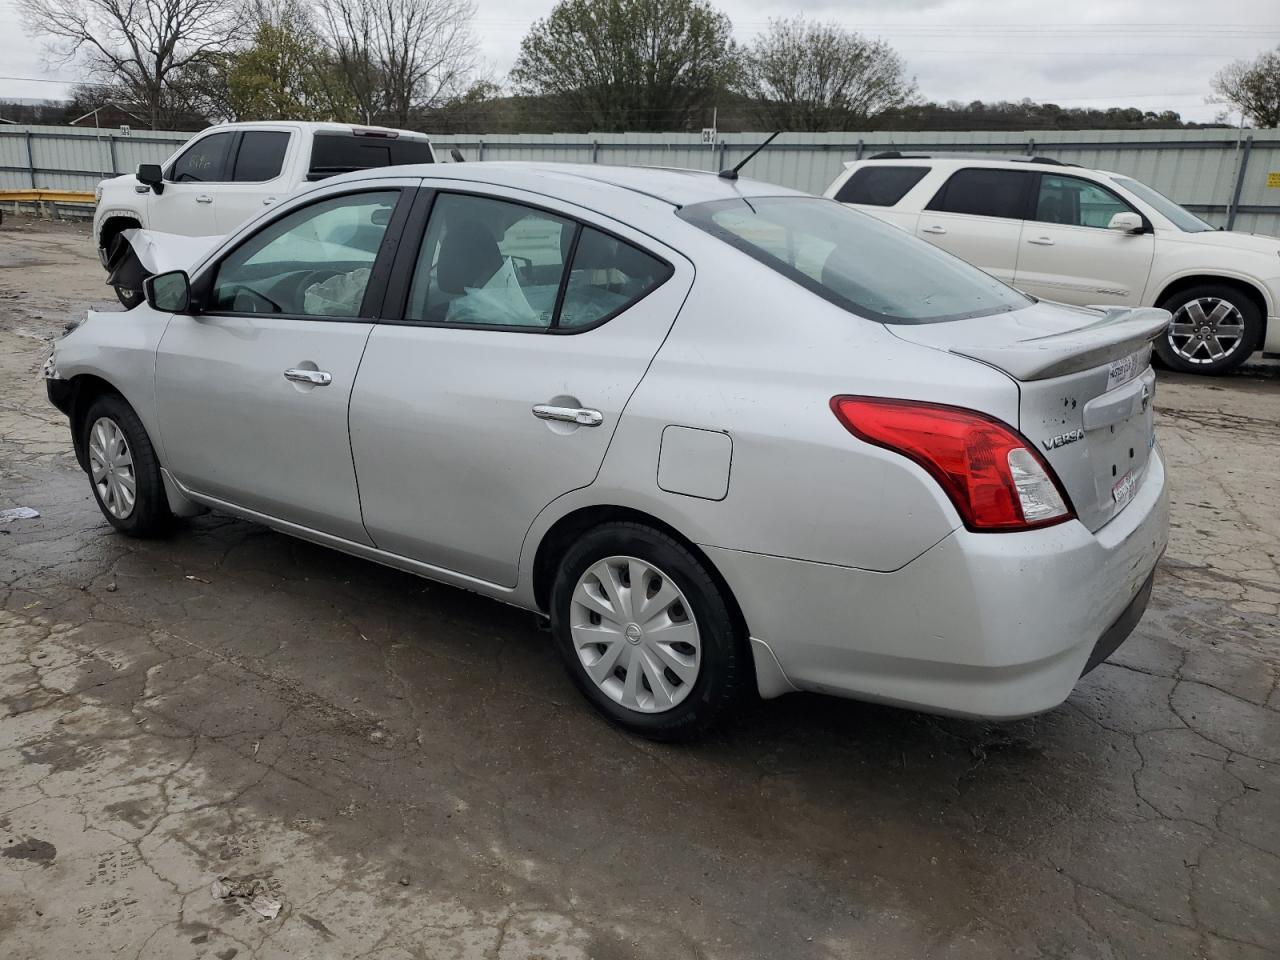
(1041, 241)
(934, 229)
(579, 415)
(316, 378)
(204, 198)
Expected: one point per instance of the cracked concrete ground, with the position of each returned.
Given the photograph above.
(409, 772)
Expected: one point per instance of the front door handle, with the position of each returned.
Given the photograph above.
(268, 201)
(579, 415)
(317, 378)
(1041, 241)
(933, 229)
(204, 198)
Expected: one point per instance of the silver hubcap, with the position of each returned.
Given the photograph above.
(635, 634)
(111, 466)
(1206, 330)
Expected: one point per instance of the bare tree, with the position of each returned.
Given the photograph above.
(400, 57)
(139, 47)
(1253, 87)
(820, 76)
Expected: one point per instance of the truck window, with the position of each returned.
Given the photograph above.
(879, 186)
(204, 161)
(261, 156)
(985, 192)
(333, 153)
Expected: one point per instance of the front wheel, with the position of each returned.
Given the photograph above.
(124, 472)
(130, 298)
(647, 634)
(1214, 329)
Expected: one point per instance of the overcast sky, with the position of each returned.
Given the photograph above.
(1156, 55)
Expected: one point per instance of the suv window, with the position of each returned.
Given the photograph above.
(489, 262)
(261, 156)
(984, 191)
(314, 261)
(204, 161)
(1076, 202)
(880, 186)
(860, 263)
(608, 275)
(333, 153)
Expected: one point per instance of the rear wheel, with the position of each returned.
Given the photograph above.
(124, 472)
(1214, 329)
(646, 633)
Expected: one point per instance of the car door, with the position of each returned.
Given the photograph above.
(524, 331)
(252, 389)
(1069, 254)
(186, 204)
(977, 215)
(257, 176)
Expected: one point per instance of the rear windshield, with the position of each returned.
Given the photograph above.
(334, 153)
(855, 261)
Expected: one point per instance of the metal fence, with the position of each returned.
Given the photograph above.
(1230, 177)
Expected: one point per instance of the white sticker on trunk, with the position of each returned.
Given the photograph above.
(1126, 368)
(1124, 490)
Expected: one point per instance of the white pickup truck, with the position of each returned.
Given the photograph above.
(226, 174)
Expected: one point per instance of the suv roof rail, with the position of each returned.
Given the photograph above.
(898, 155)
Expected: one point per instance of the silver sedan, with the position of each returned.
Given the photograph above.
(731, 439)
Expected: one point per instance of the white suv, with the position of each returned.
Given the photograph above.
(1085, 237)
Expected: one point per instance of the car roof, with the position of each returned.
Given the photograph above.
(673, 185)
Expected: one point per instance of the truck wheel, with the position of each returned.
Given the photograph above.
(1214, 329)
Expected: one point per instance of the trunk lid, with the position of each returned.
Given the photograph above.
(1085, 388)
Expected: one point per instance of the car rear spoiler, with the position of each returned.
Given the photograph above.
(1120, 332)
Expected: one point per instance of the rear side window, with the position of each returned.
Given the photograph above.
(880, 186)
(985, 193)
(261, 156)
(334, 153)
(204, 161)
(607, 276)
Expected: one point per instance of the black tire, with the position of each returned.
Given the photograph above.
(1250, 324)
(724, 671)
(149, 515)
(129, 298)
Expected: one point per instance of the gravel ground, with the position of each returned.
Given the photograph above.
(408, 773)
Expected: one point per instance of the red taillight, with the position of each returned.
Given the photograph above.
(992, 474)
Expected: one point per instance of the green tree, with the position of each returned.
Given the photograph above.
(1254, 87)
(627, 64)
(819, 76)
(286, 71)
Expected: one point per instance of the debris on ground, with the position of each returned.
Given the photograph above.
(192, 576)
(18, 513)
(252, 892)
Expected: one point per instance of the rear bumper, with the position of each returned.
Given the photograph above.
(986, 625)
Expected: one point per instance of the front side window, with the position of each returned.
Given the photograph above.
(204, 161)
(489, 262)
(314, 261)
(1076, 202)
(261, 156)
(984, 192)
(879, 186)
(1180, 217)
(855, 261)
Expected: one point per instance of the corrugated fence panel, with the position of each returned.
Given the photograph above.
(1197, 168)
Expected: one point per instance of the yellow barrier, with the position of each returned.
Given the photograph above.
(49, 196)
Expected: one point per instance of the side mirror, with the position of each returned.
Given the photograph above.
(151, 175)
(168, 292)
(1126, 222)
